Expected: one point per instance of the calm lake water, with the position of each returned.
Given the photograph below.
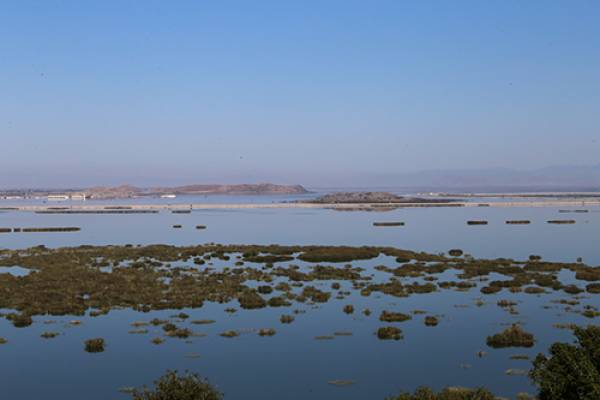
(292, 364)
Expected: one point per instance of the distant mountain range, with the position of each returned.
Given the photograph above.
(583, 178)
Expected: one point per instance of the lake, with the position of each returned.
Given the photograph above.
(292, 364)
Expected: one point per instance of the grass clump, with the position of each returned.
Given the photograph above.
(389, 333)
(181, 333)
(172, 386)
(513, 336)
(94, 345)
(229, 334)
(390, 316)
(202, 321)
(349, 309)
(20, 320)
(286, 319)
(49, 335)
(3, 341)
(251, 300)
(431, 321)
(338, 254)
(266, 332)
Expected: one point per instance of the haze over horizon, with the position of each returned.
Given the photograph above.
(342, 93)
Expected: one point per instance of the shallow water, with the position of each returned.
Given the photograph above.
(427, 229)
(292, 364)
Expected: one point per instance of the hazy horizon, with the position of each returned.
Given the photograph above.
(341, 93)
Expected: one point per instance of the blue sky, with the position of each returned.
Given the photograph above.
(313, 92)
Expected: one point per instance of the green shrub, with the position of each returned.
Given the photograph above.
(171, 386)
(571, 371)
(451, 393)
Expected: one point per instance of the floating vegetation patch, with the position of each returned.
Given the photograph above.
(477, 222)
(20, 320)
(266, 332)
(513, 336)
(202, 321)
(286, 319)
(388, 224)
(389, 333)
(518, 222)
(199, 227)
(181, 211)
(431, 321)
(34, 230)
(338, 254)
(55, 229)
(389, 316)
(561, 221)
(340, 382)
(94, 345)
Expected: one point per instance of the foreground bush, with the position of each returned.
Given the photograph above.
(174, 387)
(571, 371)
(452, 393)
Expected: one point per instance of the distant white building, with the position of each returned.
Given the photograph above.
(58, 197)
(78, 196)
(168, 196)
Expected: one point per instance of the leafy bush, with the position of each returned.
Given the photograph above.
(171, 386)
(571, 371)
(452, 393)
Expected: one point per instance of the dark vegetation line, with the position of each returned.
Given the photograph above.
(47, 229)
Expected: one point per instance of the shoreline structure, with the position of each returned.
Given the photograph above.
(337, 206)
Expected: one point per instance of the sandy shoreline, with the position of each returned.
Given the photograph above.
(58, 208)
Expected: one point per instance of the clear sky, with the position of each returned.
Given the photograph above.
(314, 92)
